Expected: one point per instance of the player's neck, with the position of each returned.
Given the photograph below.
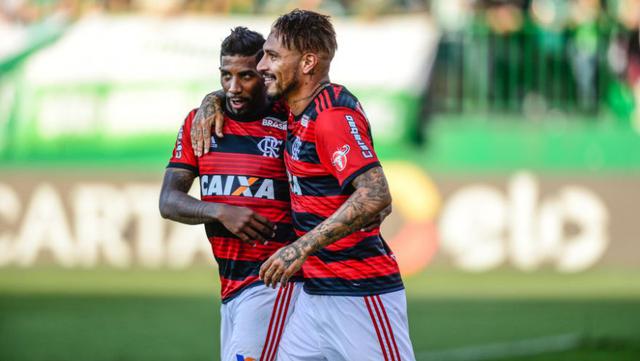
(299, 99)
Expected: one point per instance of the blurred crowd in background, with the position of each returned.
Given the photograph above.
(571, 55)
(574, 55)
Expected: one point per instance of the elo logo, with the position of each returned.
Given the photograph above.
(242, 358)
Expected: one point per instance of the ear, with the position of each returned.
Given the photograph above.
(308, 63)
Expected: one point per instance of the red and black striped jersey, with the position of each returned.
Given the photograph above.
(244, 168)
(328, 145)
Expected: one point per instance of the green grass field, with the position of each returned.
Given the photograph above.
(49, 314)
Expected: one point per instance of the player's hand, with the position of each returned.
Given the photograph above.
(282, 265)
(377, 220)
(248, 225)
(208, 116)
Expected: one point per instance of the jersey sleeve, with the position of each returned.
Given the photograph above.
(183, 155)
(344, 144)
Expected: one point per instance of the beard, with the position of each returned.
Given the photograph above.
(285, 89)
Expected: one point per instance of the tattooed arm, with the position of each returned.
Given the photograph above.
(209, 114)
(176, 204)
(370, 198)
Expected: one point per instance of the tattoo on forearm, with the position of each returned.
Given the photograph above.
(211, 104)
(371, 197)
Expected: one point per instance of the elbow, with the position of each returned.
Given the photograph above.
(385, 200)
(164, 211)
(380, 200)
(164, 207)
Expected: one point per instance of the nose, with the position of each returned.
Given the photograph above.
(234, 86)
(262, 64)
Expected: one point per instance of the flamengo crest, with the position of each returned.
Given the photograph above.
(270, 146)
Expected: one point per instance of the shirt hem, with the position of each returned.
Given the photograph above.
(184, 166)
(353, 293)
(251, 285)
(350, 178)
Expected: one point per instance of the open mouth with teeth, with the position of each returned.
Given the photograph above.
(268, 78)
(238, 103)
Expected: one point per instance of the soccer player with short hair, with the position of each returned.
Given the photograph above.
(245, 203)
(353, 306)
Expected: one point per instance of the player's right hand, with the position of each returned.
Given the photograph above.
(248, 225)
(208, 116)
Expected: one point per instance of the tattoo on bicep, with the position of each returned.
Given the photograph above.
(374, 182)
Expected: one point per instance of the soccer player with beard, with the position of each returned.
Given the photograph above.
(353, 306)
(245, 203)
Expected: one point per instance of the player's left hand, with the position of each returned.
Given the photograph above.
(282, 265)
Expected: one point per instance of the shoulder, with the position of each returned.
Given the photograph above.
(336, 96)
(336, 102)
(189, 118)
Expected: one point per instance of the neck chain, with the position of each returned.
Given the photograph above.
(315, 92)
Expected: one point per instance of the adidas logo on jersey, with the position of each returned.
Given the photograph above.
(236, 185)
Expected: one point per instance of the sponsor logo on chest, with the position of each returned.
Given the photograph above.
(274, 123)
(236, 185)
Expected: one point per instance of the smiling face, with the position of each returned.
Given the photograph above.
(243, 86)
(280, 67)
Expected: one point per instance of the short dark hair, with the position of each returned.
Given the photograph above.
(306, 31)
(244, 42)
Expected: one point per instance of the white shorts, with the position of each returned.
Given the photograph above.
(336, 328)
(252, 322)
